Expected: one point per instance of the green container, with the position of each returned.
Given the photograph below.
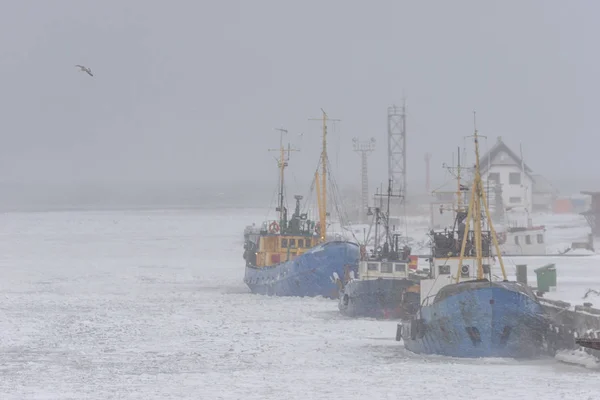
(546, 278)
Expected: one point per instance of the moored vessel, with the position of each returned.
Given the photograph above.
(292, 257)
(480, 316)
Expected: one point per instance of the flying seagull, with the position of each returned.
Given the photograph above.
(85, 69)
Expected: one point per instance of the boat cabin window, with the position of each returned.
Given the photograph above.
(307, 242)
(387, 267)
(540, 238)
(372, 267)
(400, 267)
(293, 243)
(516, 240)
(527, 239)
(300, 243)
(284, 243)
(444, 269)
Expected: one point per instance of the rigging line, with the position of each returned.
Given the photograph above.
(368, 237)
(341, 212)
(337, 150)
(311, 190)
(306, 206)
(405, 222)
(273, 196)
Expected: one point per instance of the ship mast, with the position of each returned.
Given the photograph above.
(478, 199)
(322, 186)
(282, 162)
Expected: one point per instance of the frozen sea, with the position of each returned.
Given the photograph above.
(151, 305)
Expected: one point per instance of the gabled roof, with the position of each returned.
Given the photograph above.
(497, 148)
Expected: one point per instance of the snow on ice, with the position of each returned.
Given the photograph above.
(151, 305)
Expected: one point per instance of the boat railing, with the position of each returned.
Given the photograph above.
(273, 227)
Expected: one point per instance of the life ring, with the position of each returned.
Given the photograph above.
(274, 227)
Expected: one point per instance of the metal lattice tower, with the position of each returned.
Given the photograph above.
(364, 148)
(397, 149)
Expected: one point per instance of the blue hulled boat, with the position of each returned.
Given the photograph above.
(480, 316)
(292, 257)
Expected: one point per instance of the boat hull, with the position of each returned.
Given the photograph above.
(378, 298)
(314, 273)
(481, 320)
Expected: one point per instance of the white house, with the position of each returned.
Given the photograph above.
(544, 194)
(501, 166)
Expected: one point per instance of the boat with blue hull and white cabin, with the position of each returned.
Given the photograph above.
(292, 257)
(480, 316)
(386, 286)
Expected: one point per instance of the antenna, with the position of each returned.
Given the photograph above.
(386, 220)
(364, 148)
(282, 162)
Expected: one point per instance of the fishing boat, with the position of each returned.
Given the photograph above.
(481, 316)
(293, 257)
(386, 286)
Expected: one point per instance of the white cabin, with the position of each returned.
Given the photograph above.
(373, 269)
(443, 272)
(529, 241)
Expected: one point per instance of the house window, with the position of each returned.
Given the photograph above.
(517, 240)
(372, 267)
(514, 200)
(300, 243)
(307, 242)
(293, 243)
(527, 239)
(284, 243)
(514, 178)
(540, 238)
(494, 177)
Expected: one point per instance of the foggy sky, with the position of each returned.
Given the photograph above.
(191, 91)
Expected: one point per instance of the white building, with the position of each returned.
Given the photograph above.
(502, 166)
(544, 194)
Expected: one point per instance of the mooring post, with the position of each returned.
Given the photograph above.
(522, 274)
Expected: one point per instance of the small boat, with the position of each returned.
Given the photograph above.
(293, 257)
(481, 316)
(386, 286)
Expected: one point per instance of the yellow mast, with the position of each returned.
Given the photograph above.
(322, 203)
(478, 198)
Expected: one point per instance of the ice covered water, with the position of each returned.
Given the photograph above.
(151, 305)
